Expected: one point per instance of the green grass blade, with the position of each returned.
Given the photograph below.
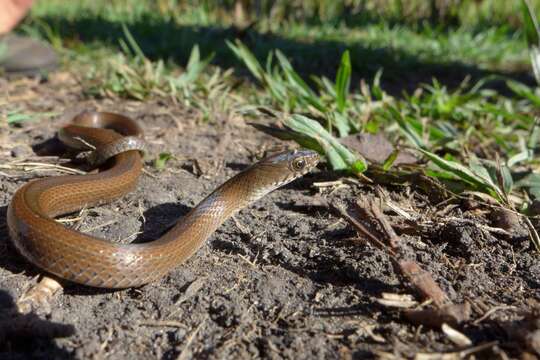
(15, 118)
(343, 81)
(341, 123)
(534, 54)
(481, 181)
(194, 68)
(530, 23)
(132, 43)
(299, 85)
(389, 161)
(243, 53)
(524, 91)
(409, 131)
(161, 160)
(376, 90)
(301, 139)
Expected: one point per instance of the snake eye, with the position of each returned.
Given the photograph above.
(298, 164)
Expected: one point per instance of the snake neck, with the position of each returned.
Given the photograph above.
(210, 213)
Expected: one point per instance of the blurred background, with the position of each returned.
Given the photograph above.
(391, 34)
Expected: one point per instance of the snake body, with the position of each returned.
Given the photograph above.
(92, 261)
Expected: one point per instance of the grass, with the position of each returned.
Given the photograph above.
(170, 31)
(452, 84)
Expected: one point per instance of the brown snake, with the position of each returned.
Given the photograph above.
(96, 262)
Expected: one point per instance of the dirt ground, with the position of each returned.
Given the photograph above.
(286, 278)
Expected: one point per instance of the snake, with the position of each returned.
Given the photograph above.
(96, 262)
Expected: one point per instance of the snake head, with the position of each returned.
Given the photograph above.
(265, 176)
(275, 171)
(289, 164)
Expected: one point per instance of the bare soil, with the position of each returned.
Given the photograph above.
(287, 278)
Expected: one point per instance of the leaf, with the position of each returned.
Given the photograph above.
(534, 54)
(535, 134)
(506, 178)
(339, 156)
(161, 160)
(527, 149)
(376, 89)
(481, 171)
(343, 81)
(521, 156)
(132, 43)
(194, 68)
(524, 91)
(390, 160)
(14, 118)
(242, 52)
(340, 121)
(301, 139)
(530, 24)
(299, 85)
(531, 183)
(410, 133)
(482, 181)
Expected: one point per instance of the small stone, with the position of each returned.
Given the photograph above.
(508, 220)
(19, 151)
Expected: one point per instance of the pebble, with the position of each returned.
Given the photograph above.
(19, 151)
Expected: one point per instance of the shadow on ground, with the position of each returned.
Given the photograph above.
(9, 258)
(24, 336)
(161, 38)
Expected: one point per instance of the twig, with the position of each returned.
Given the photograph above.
(487, 228)
(393, 239)
(165, 323)
(532, 233)
(184, 355)
(361, 228)
(421, 279)
(492, 311)
(42, 166)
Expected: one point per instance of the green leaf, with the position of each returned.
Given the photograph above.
(534, 54)
(530, 24)
(524, 91)
(521, 156)
(301, 139)
(242, 52)
(376, 89)
(339, 156)
(343, 81)
(390, 160)
(340, 121)
(132, 43)
(531, 183)
(194, 68)
(481, 180)
(535, 135)
(506, 177)
(409, 131)
(481, 171)
(299, 85)
(161, 160)
(14, 118)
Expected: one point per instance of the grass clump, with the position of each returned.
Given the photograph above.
(130, 74)
(461, 131)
